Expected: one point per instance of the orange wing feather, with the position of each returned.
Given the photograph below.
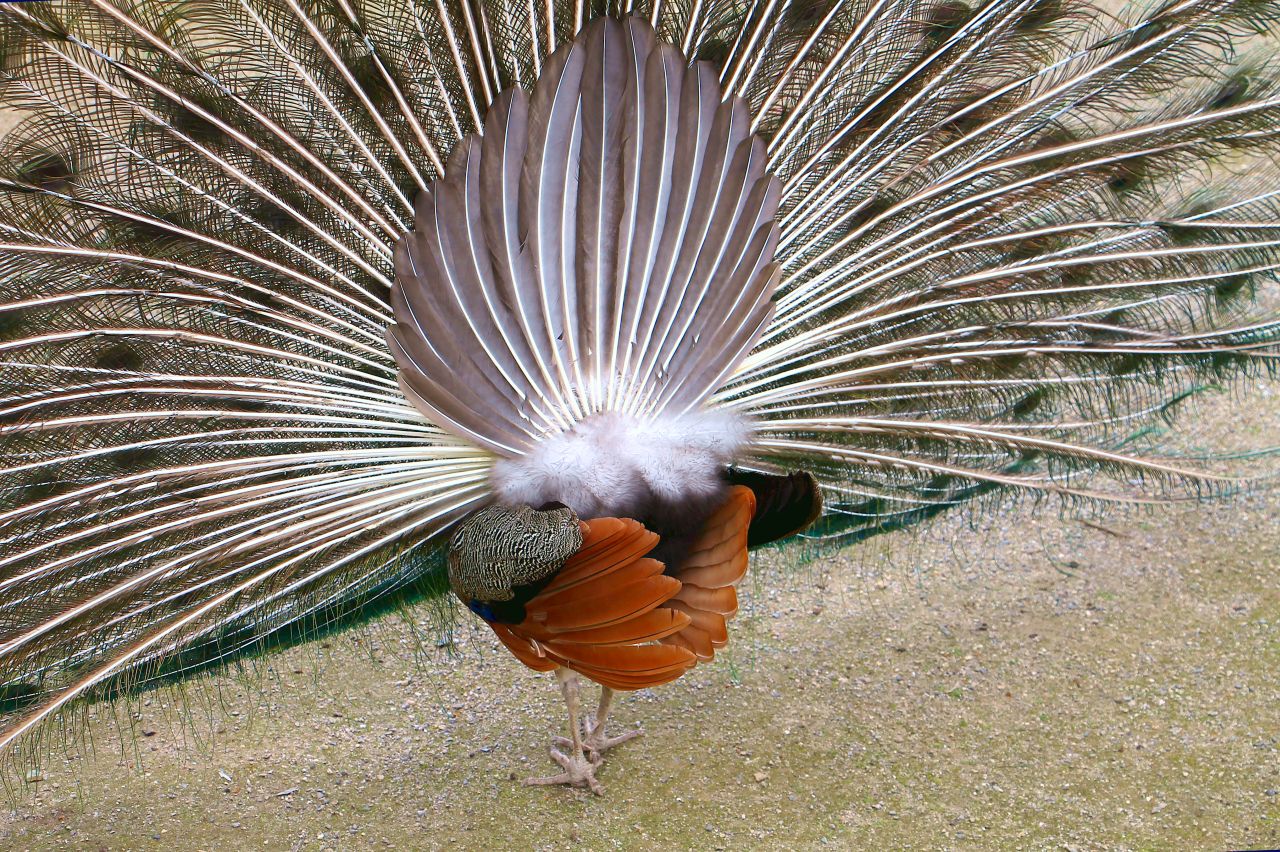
(717, 562)
(524, 649)
(612, 615)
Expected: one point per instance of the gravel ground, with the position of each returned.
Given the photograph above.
(1026, 680)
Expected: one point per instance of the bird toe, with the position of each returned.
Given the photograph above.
(595, 740)
(579, 771)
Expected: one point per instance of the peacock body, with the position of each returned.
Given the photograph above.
(564, 306)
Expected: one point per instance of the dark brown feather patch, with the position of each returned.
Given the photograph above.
(785, 504)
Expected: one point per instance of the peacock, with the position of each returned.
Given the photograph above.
(563, 307)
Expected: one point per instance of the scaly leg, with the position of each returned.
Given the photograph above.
(579, 771)
(596, 741)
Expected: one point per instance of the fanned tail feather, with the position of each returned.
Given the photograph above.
(1009, 238)
(642, 198)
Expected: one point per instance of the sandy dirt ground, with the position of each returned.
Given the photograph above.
(1024, 681)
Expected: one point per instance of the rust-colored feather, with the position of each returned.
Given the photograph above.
(728, 572)
(602, 614)
(650, 627)
(623, 683)
(630, 660)
(621, 552)
(608, 607)
(699, 643)
(608, 583)
(724, 534)
(723, 601)
(717, 561)
(523, 648)
(712, 623)
(611, 615)
(627, 679)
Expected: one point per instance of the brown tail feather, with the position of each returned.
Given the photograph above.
(601, 613)
(785, 503)
(723, 601)
(726, 573)
(523, 648)
(629, 660)
(611, 571)
(712, 623)
(699, 642)
(623, 683)
(601, 555)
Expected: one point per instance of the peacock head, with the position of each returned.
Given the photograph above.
(502, 555)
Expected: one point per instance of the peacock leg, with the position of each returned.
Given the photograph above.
(579, 770)
(595, 739)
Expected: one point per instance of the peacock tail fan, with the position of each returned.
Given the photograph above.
(977, 250)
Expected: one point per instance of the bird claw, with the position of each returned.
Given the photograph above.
(594, 740)
(579, 771)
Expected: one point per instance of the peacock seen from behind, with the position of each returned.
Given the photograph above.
(564, 307)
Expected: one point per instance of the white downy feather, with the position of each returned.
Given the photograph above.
(617, 464)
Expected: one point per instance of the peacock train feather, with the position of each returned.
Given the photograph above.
(922, 249)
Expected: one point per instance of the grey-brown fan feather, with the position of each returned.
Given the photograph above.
(615, 122)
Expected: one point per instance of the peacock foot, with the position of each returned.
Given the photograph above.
(595, 741)
(579, 771)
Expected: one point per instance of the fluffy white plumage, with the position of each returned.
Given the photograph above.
(617, 464)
